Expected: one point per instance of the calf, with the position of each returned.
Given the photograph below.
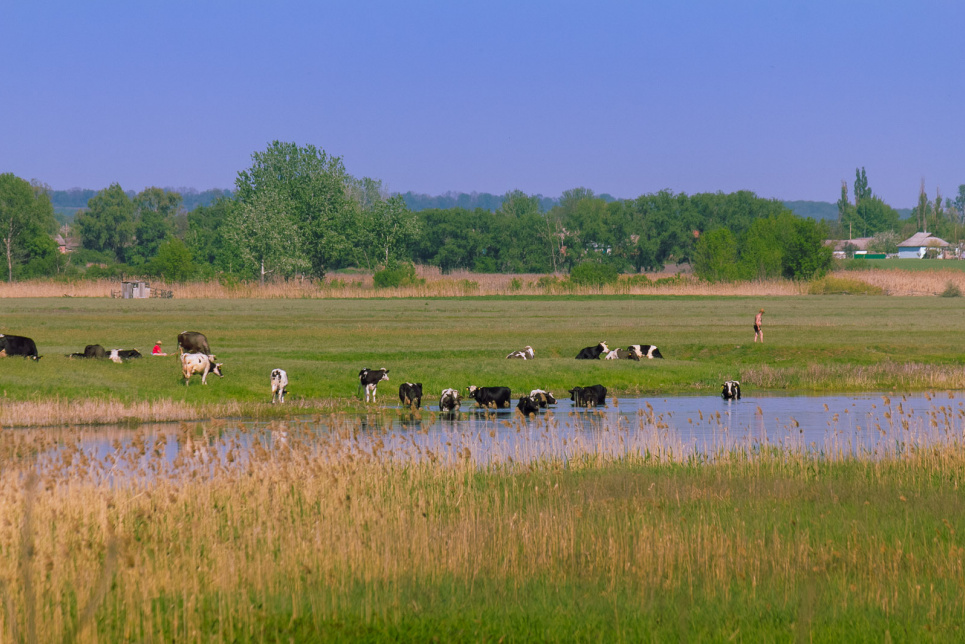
(410, 393)
(526, 354)
(542, 397)
(645, 350)
(527, 406)
(90, 351)
(449, 400)
(18, 345)
(120, 355)
(592, 353)
(193, 342)
(370, 379)
(731, 390)
(192, 363)
(279, 385)
(588, 396)
(486, 396)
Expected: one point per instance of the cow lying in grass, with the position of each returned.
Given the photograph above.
(526, 353)
(593, 353)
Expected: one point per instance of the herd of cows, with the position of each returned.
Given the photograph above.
(196, 358)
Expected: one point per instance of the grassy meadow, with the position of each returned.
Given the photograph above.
(813, 343)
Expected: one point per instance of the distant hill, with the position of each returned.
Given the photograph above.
(67, 202)
(813, 209)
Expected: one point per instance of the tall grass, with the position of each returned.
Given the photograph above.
(322, 531)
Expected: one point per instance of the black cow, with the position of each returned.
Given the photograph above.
(542, 397)
(527, 406)
(90, 351)
(18, 345)
(449, 400)
(588, 396)
(193, 342)
(370, 379)
(120, 355)
(486, 396)
(731, 390)
(645, 351)
(410, 393)
(592, 353)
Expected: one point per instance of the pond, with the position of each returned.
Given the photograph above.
(665, 428)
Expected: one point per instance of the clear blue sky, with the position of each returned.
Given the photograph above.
(782, 98)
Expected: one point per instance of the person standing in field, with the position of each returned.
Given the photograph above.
(758, 328)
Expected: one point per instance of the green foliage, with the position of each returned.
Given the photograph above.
(636, 280)
(515, 284)
(266, 236)
(715, 257)
(173, 261)
(951, 290)
(155, 213)
(26, 223)
(594, 274)
(396, 275)
(108, 222)
(843, 286)
(884, 242)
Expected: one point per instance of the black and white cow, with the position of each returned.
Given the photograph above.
(591, 396)
(645, 351)
(449, 400)
(279, 385)
(622, 354)
(593, 353)
(120, 355)
(18, 345)
(193, 342)
(526, 353)
(731, 390)
(527, 406)
(90, 351)
(370, 379)
(490, 396)
(542, 397)
(192, 363)
(410, 394)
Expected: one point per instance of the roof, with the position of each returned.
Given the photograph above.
(922, 239)
(861, 243)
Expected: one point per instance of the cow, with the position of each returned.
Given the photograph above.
(279, 385)
(527, 406)
(731, 390)
(449, 400)
(593, 353)
(588, 396)
(525, 354)
(90, 351)
(645, 351)
(120, 355)
(192, 363)
(486, 396)
(193, 342)
(622, 354)
(542, 397)
(410, 394)
(18, 345)
(370, 379)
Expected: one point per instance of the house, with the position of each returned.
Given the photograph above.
(916, 246)
(842, 246)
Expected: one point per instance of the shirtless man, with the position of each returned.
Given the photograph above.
(758, 329)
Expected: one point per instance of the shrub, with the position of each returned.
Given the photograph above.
(468, 286)
(636, 280)
(394, 276)
(515, 284)
(951, 290)
(594, 274)
(843, 286)
(547, 281)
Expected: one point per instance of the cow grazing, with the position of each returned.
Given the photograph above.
(90, 351)
(731, 390)
(193, 342)
(490, 396)
(542, 397)
(192, 363)
(593, 353)
(18, 345)
(410, 394)
(120, 355)
(449, 400)
(591, 396)
(527, 406)
(525, 354)
(370, 379)
(645, 351)
(279, 385)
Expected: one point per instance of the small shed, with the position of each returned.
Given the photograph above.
(135, 290)
(918, 244)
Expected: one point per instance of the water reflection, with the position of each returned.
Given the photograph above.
(664, 428)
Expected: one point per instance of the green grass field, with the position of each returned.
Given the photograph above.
(818, 343)
(906, 264)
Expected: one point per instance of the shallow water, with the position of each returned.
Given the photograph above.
(666, 428)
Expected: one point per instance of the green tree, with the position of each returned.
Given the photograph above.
(861, 189)
(875, 216)
(155, 212)
(173, 260)
(26, 218)
(715, 256)
(848, 214)
(960, 203)
(311, 188)
(922, 209)
(265, 235)
(210, 251)
(388, 230)
(108, 222)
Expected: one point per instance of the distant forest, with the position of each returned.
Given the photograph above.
(67, 202)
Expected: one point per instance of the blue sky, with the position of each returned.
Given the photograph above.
(782, 98)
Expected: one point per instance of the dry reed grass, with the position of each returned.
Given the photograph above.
(906, 282)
